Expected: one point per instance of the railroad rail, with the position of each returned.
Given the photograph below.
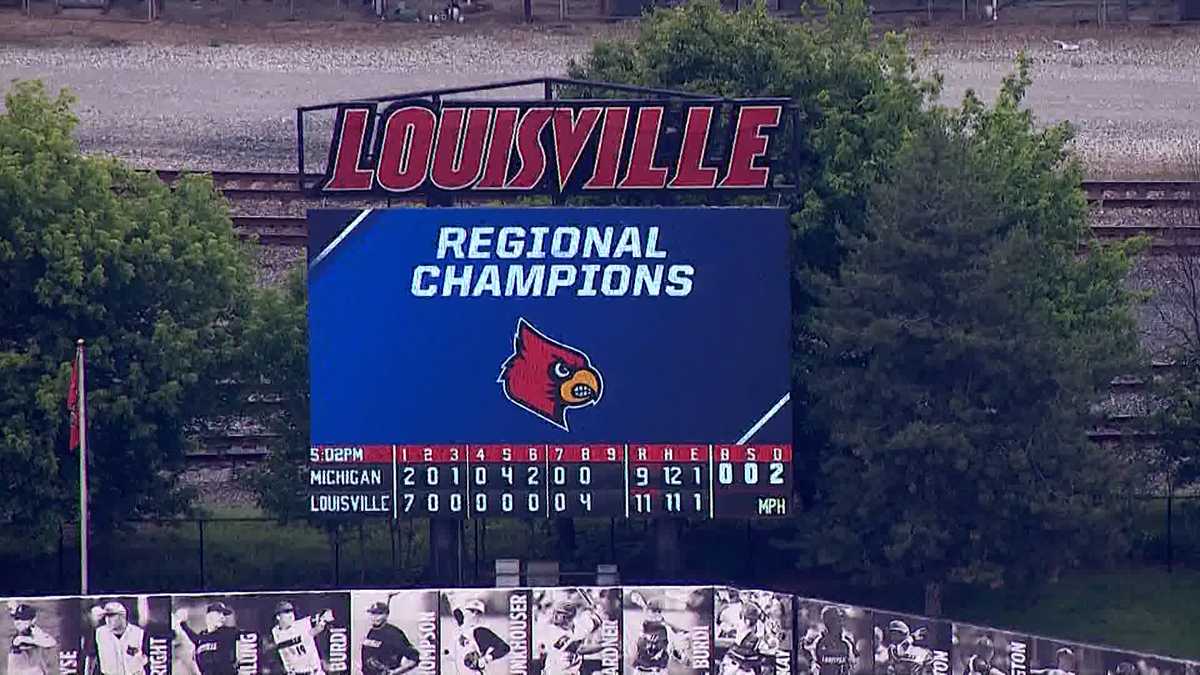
(292, 231)
(245, 185)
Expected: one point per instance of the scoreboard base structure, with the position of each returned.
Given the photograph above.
(551, 481)
(606, 630)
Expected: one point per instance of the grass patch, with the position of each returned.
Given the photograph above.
(1146, 609)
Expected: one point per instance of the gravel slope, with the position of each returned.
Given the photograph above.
(1135, 99)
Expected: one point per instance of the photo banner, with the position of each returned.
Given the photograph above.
(262, 634)
(668, 630)
(393, 630)
(629, 630)
(576, 631)
(126, 635)
(754, 632)
(906, 644)
(834, 639)
(989, 651)
(43, 637)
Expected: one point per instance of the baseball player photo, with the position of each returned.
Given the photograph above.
(127, 635)
(207, 638)
(668, 630)
(297, 629)
(911, 645)
(42, 635)
(1050, 657)
(1111, 662)
(261, 634)
(753, 634)
(985, 651)
(576, 631)
(394, 632)
(834, 639)
(485, 632)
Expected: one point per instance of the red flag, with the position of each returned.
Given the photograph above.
(73, 402)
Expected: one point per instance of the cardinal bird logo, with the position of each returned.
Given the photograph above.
(546, 377)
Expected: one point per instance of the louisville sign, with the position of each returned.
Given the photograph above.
(413, 147)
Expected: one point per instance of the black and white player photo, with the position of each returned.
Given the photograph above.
(576, 631)
(267, 634)
(42, 635)
(668, 630)
(394, 632)
(1050, 657)
(207, 639)
(753, 634)
(834, 639)
(1112, 662)
(126, 635)
(308, 635)
(911, 645)
(485, 632)
(986, 651)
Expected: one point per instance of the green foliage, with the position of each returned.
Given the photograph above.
(277, 343)
(858, 99)
(943, 380)
(966, 342)
(152, 278)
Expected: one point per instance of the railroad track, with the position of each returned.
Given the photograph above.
(292, 231)
(245, 185)
(250, 186)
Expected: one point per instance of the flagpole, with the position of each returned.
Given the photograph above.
(83, 482)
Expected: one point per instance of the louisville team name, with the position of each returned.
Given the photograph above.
(533, 147)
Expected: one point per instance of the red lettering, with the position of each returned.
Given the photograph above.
(407, 144)
(458, 155)
(642, 174)
(571, 134)
(530, 150)
(608, 151)
(504, 128)
(347, 173)
(690, 171)
(750, 143)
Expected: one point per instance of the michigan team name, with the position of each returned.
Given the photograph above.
(412, 147)
(542, 261)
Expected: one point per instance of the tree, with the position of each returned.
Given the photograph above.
(1173, 460)
(858, 99)
(152, 278)
(965, 343)
(277, 341)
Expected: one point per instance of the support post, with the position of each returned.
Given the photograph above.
(200, 530)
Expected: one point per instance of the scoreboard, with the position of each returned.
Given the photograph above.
(550, 362)
(546, 481)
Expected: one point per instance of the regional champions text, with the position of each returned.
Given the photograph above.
(584, 261)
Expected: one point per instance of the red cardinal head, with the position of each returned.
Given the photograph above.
(547, 377)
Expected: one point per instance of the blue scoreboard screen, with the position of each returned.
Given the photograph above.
(550, 362)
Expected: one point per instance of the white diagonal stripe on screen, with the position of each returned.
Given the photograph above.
(345, 233)
(765, 418)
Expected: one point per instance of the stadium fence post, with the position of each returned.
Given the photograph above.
(61, 555)
(200, 551)
(1170, 543)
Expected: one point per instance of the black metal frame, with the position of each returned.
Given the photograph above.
(308, 182)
